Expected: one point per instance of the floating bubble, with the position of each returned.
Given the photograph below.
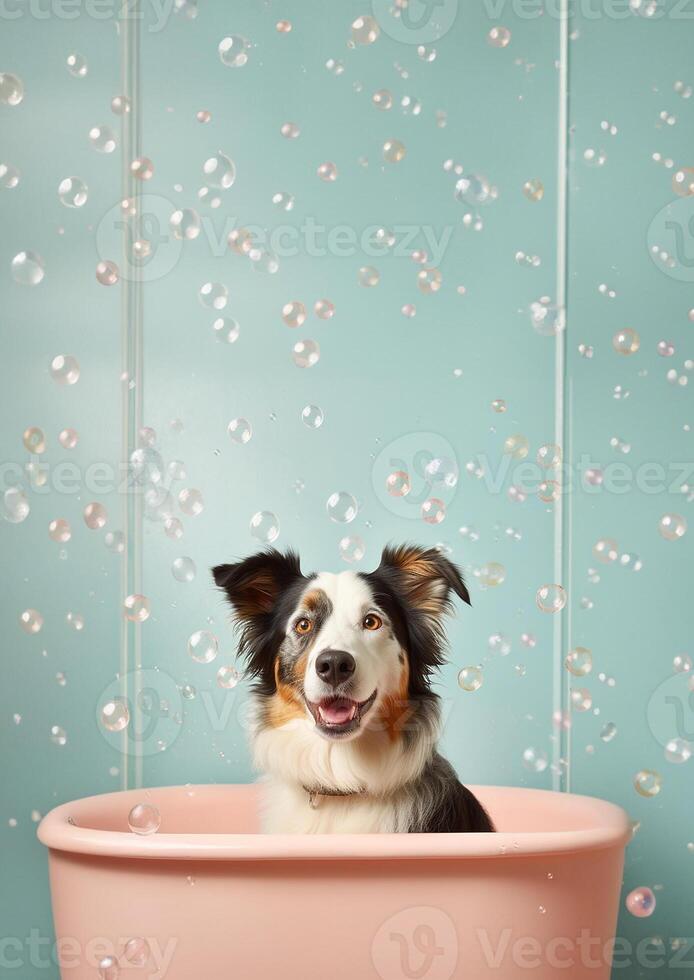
(608, 731)
(31, 621)
(579, 661)
(283, 26)
(15, 505)
(368, 276)
(342, 507)
(136, 608)
(142, 168)
(294, 314)
(672, 527)
(312, 416)
(499, 406)
(183, 569)
(28, 268)
(324, 309)
(107, 273)
(593, 476)
(58, 735)
(34, 440)
(284, 200)
(581, 699)
(549, 456)
(264, 261)
(11, 89)
(492, 574)
(550, 598)
(630, 561)
(173, 528)
(683, 181)
(120, 105)
(234, 50)
(677, 751)
(410, 105)
(191, 501)
(103, 139)
(327, 172)
(529, 640)
(470, 679)
(534, 189)
(95, 516)
(474, 190)
(64, 369)
(665, 348)
(594, 158)
(606, 550)
(648, 783)
(516, 446)
(393, 151)
(640, 902)
(185, 224)
(365, 30)
(213, 295)
(433, 511)
(548, 491)
(77, 65)
(398, 483)
(265, 526)
(535, 759)
(334, 66)
(351, 548)
(626, 341)
(9, 176)
(499, 645)
(442, 471)
(306, 353)
(203, 646)
(146, 466)
(426, 53)
(409, 310)
(219, 171)
(499, 37)
(547, 319)
(240, 430)
(290, 131)
(228, 677)
(144, 819)
(136, 951)
(429, 280)
(382, 99)
(73, 192)
(681, 663)
(115, 715)
(226, 330)
(59, 531)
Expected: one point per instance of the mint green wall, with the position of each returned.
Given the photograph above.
(392, 388)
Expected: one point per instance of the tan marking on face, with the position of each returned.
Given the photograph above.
(313, 600)
(286, 704)
(395, 708)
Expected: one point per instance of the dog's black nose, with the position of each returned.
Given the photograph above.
(335, 666)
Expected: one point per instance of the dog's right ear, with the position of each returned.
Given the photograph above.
(256, 588)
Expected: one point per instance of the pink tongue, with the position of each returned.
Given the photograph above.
(337, 712)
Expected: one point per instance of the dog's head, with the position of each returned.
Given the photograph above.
(343, 652)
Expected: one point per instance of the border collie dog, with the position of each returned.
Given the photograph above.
(344, 722)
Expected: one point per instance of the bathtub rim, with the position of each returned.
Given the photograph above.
(613, 829)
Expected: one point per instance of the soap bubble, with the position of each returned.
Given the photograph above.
(547, 319)
(516, 446)
(499, 644)
(640, 902)
(409, 310)
(290, 131)
(264, 261)
(34, 439)
(606, 550)
(672, 527)
(265, 526)
(191, 501)
(535, 759)
(219, 171)
(677, 750)
(142, 168)
(9, 176)
(64, 369)
(581, 699)
(648, 783)
(31, 621)
(28, 268)
(429, 280)
(144, 819)
(228, 677)
(351, 548)
(365, 30)
(327, 171)
(233, 51)
(173, 528)
(294, 314)
(136, 951)
(549, 456)
(681, 663)
(382, 99)
(499, 406)
(491, 574)
(146, 466)
(183, 569)
(548, 491)
(312, 416)
(95, 516)
(77, 65)
(474, 190)
(306, 353)
(185, 224)
(103, 139)
(203, 646)
(470, 679)
(226, 330)
(433, 511)
(107, 273)
(73, 192)
(11, 89)
(115, 716)
(213, 295)
(626, 341)
(159, 505)
(368, 276)
(342, 507)
(550, 598)
(534, 189)
(393, 151)
(324, 309)
(284, 200)
(499, 37)
(398, 483)
(60, 531)
(579, 661)
(240, 431)
(441, 471)
(136, 608)
(58, 735)
(410, 105)
(15, 505)
(120, 105)
(608, 731)
(283, 26)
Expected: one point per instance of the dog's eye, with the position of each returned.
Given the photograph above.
(372, 622)
(303, 626)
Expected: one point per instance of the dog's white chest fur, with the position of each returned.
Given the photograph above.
(287, 809)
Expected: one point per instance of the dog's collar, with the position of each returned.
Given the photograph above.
(317, 791)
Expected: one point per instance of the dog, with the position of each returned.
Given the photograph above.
(344, 722)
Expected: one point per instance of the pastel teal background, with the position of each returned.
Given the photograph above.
(391, 388)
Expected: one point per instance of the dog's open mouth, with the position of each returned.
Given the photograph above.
(339, 716)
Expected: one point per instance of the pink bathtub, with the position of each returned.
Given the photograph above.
(215, 900)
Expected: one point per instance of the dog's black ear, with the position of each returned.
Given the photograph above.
(425, 579)
(260, 589)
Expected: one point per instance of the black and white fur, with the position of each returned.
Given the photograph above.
(345, 724)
